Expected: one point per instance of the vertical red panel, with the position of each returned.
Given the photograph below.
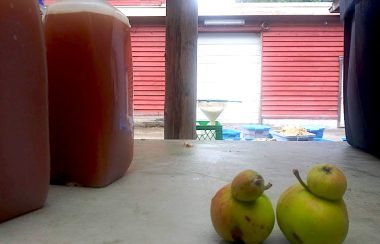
(148, 55)
(300, 71)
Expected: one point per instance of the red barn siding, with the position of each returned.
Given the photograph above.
(300, 71)
(148, 55)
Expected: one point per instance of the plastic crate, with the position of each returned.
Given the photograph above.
(230, 134)
(255, 131)
(208, 132)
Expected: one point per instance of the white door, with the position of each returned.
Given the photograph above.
(341, 109)
(229, 68)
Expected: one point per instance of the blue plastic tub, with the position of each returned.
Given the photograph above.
(255, 131)
(230, 134)
(317, 130)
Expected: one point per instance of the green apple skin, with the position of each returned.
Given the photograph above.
(307, 219)
(243, 222)
(327, 181)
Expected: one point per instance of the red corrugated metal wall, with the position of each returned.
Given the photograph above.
(300, 71)
(148, 54)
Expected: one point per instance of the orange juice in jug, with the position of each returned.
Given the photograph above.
(90, 92)
(24, 145)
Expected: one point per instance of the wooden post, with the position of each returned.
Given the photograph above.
(181, 69)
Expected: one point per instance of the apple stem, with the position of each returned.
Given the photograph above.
(297, 174)
(269, 185)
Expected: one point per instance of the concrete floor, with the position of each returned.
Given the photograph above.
(157, 132)
(165, 196)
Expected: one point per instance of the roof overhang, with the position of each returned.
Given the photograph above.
(335, 7)
(239, 9)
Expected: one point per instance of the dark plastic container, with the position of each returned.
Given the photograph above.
(90, 92)
(361, 73)
(24, 145)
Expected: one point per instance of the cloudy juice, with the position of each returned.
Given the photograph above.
(90, 92)
(24, 145)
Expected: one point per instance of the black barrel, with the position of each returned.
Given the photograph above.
(362, 73)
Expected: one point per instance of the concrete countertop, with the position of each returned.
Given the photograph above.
(166, 193)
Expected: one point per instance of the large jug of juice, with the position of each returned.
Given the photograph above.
(24, 138)
(90, 92)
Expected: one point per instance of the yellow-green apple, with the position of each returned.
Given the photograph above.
(241, 212)
(304, 217)
(327, 181)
